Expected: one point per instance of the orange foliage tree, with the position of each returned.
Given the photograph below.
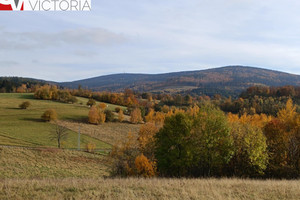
(146, 139)
(96, 115)
(144, 167)
(136, 116)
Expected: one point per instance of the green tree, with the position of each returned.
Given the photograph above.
(173, 150)
(110, 117)
(250, 151)
(213, 145)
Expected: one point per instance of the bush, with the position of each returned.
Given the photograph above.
(109, 116)
(24, 105)
(91, 102)
(90, 147)
(49, 115)
(117, 109)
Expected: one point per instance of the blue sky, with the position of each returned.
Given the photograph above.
(150, 36)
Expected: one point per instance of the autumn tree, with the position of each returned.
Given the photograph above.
(150, 115)
(283, 143)
(123, 157)
(102, 106)
(146, 140)
(96, 115)
(250, 151)
(144, 167)
(121, 116)
(49, 115)
(136, 116)
(213, 145)
(288, 115)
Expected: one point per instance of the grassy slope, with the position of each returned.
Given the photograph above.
(149, 189)
(24, 127)
(110, 133)
(50, 163)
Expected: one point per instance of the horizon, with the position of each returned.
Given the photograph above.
(150, 38)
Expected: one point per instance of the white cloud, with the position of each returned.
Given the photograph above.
(153, 36)
(80, 37)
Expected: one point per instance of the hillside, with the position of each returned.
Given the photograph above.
(20, 127)
(227, 81)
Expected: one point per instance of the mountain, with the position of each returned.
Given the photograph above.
(230, 80)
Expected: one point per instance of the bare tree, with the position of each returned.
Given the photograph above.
(59, 134)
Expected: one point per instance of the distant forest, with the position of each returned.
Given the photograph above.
(17, 84)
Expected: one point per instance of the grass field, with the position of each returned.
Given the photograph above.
(108, 132)
(160, 189)
(23, 163)
(25, 128)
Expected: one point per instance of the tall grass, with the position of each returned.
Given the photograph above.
(149, 189)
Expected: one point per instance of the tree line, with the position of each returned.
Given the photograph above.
(203, 141)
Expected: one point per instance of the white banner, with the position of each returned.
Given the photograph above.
(46, 5)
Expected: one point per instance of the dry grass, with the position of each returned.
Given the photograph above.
(149, 189)
(50, 163)
(107, 132)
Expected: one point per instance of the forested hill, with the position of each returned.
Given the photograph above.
(231, 80)
(19, 84)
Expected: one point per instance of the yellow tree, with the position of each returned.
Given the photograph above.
(136, 116)
(144, 167)
(96, 116)
(149, 116)
(288, 115)
(102, 106)
(146, 138)
(121, 116)
(159, 118)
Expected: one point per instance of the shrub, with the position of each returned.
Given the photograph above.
(49, 115)
(91, 102)
(109, 116)
(90, 147)
(24, 105)
(117, 109)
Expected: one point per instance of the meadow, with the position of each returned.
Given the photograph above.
(25, 128)
(160, 189)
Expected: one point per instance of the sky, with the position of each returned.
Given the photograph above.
(150, 36)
